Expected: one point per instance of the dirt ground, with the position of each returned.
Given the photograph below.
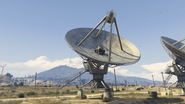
(127, 96)
(96, 99)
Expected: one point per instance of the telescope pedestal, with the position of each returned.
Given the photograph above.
(98, 75)
(107, 93)
(183, 91)
(79, 93)
(170, 92)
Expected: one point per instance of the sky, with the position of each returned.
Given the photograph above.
(32, 32)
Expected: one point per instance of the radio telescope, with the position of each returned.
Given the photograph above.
(101, 49)
(176, 50)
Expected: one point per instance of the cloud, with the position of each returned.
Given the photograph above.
(157, 67)
(42, 63)
(126, 72)
(155, 70)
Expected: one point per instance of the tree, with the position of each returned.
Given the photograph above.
(21, 84)
(9, 75)
(15, 84)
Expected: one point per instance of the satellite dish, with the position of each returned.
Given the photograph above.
(129, 55)
(100, 49)
(176, 48)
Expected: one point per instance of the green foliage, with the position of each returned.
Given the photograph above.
(133, 85)
(9, 85)
(15, 84)
(30, 93)
(12, 102)
(49, 93)
(92, 91)
(68, 91)
(117, 90)
(77, 86)
(57, 92)
(3, 94)
(9, 75)
(13, 91)
(45, 86)
(164, 100)
(21, 84)
(123, 89)
(153, 94)
(131, 95)
(21, 95)
(83, 97)
(43, 91)
(139, 88)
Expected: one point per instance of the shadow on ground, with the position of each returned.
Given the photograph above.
(95, 98)
(162, 100)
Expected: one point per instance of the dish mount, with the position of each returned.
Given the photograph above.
(107, 19)
(176, 50)
(98, 69)
(100, 49)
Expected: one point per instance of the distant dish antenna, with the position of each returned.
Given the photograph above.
(101, 49)
(2, 68)
(176, 50)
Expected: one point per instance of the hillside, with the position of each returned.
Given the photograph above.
(5, 80)
(67, 72)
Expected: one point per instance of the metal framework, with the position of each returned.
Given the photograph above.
(107, 19)
(178, 67)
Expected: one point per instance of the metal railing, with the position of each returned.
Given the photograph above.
(73, 78)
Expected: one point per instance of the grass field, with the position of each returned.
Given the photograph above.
(50, 95)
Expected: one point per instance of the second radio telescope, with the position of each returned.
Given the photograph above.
(176, 48)
(129, 55)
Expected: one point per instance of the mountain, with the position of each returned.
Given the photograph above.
(67, 72)
(63, 71)
(5, 80)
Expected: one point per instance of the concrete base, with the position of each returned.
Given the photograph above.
(107, 93)
(79, 93)
(183, 91)
(170, 92)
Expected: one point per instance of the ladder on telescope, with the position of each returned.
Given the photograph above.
(73, 78)
(167, 79)
(169, 72)
(76, 75)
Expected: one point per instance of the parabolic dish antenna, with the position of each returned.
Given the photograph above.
(100, 49)
(177, 48)
(129, 55)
